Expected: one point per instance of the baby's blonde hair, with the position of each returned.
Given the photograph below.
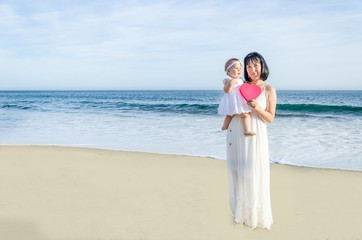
(230, 61)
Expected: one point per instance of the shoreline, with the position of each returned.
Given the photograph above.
(55, 192)
(161, 153)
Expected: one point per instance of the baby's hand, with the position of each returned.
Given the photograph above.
(234, 81)
(229, 84)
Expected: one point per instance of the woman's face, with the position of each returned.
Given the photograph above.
(235, 71)
(254, 69)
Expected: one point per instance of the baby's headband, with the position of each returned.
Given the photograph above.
(232, 65)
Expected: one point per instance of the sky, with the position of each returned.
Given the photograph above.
(171, 45)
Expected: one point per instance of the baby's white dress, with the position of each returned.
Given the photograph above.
(233, 103)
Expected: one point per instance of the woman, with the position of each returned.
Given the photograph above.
(248, 156)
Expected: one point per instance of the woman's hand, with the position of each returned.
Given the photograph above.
(267, 114)
(253, 104)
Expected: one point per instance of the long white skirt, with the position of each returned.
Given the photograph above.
(249, 173)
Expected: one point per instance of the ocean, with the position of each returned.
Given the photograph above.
(311, 128)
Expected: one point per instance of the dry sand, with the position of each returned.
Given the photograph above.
(76, 193)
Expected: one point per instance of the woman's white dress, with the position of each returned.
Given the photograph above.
(249, 171)
(233, 103)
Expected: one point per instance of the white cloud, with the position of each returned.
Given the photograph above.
(186, 41)
(8, 17)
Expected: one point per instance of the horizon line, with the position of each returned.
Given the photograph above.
(90, 90)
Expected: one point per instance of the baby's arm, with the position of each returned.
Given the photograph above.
(229, 84)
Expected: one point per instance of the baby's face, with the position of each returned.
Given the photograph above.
(235, 71)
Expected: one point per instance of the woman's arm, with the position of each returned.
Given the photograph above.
(229, 84)
(271, 102)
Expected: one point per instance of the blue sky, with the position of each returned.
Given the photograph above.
(183, 44)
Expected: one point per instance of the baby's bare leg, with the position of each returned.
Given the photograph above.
(227, 121)
(247, 124)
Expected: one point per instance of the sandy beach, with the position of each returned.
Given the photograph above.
(68, 193)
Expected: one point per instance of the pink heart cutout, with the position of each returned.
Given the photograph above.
(249, 91)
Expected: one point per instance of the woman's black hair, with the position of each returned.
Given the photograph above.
(256, 57)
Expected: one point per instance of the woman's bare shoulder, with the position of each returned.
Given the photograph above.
(270, 91)
(269, 88)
